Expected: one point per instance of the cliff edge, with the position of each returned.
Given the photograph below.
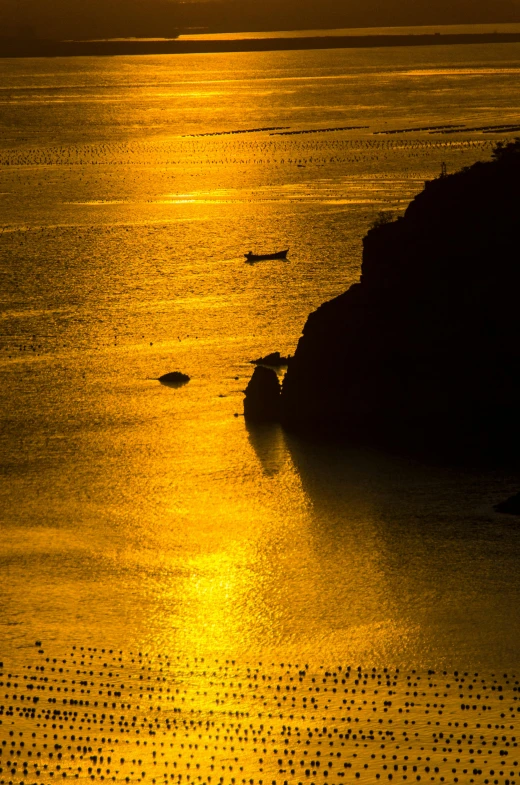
(425, 349)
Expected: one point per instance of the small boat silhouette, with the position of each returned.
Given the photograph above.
(260, 257)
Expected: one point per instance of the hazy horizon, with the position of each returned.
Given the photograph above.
(167, 18)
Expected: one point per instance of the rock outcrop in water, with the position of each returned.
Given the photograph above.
(274, 360)
(262, 401)
(425, 349)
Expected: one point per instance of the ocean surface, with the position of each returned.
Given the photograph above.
(143, 518)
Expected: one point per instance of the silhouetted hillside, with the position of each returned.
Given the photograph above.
(425, 350)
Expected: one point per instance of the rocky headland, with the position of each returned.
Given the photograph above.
(425, 350)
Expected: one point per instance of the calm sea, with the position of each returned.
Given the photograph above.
(147, 518)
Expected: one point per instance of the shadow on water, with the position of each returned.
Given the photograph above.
(405, 491)
(268, 442)
(404, 557)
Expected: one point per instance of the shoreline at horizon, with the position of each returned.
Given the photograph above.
(15, 48)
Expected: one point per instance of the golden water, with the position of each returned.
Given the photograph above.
(139, 518)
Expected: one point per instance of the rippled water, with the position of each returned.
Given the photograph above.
(139, 516)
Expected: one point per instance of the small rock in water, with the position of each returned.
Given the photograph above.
(174, 379)
(510, 506)
(262, 401)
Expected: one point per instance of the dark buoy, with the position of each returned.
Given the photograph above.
(174, 379)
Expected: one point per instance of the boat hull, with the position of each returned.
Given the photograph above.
(254, 257)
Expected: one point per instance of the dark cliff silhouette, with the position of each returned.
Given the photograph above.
(425, 350)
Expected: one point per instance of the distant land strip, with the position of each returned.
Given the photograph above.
(11, 47)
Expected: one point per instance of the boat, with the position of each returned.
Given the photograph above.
(261, 257)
